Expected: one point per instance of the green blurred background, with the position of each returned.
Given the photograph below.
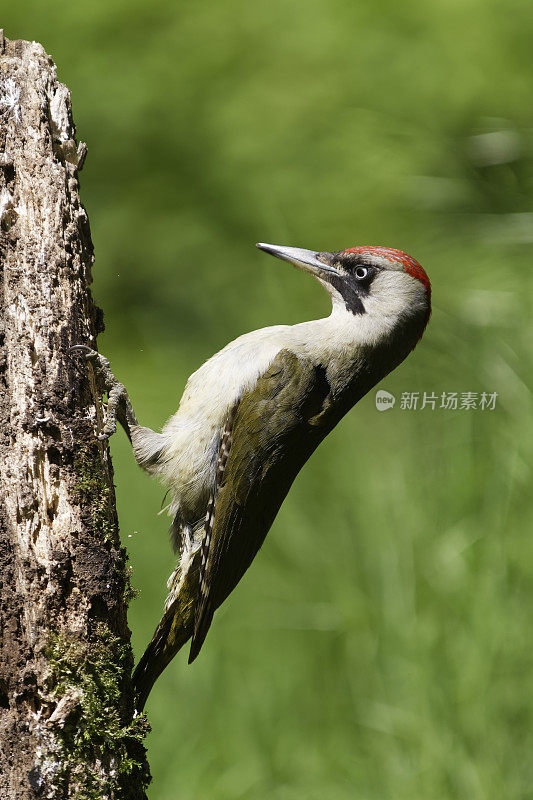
(380, 646)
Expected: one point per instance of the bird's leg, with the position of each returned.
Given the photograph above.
(119, 405)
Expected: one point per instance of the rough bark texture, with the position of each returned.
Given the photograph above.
(66, 718)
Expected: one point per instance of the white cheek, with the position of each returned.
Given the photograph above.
(394, 294)
(394, 299)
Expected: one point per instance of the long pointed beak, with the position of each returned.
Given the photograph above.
(303, 259)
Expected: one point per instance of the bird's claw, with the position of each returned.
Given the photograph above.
(89, 354)
(100, 364)
(118, 403)
(81, 348)
(107, 382)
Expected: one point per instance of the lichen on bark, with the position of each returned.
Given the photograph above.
(67, 723)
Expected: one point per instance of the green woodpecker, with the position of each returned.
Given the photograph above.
(251, 416)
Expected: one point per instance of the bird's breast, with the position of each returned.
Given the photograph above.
(188, 461)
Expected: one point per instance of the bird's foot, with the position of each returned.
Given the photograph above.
(107, 382)
(105, 377)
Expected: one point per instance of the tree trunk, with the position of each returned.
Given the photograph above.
(67, 728)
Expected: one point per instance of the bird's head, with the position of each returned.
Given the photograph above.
(381, 282)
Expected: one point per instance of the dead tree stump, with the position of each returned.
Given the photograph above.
(67, 728)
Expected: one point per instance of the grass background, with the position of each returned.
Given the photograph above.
(380, 646)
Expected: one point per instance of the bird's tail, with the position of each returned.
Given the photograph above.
(169, 637)
(175, 628)
(201, 627)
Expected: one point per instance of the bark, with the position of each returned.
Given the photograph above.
(67, 725)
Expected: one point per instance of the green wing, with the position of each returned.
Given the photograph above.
(276, 427)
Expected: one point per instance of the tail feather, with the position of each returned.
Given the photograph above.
(156, 658)
(201, 627)
(205, 606)
(174, 630)
(190, 606)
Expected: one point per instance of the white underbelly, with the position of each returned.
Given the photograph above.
(187, 464)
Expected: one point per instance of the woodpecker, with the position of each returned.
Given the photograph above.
(251, 416)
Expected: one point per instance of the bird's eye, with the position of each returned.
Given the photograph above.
(361, 273)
